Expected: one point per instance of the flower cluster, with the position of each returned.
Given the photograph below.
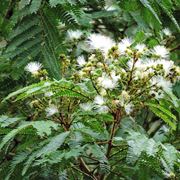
(51, 110)
(36, 70)
(126, 74)
(73, 35)
(33, 67)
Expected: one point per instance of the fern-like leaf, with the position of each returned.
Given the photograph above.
(164, 117)
(60, 88)
(163, 113)
(42, 127)
(147, 4)
(35, 5)
(33, 37)
(54, 144)
(5, 121)
(19, 158)
(168, 11)
(163, 109)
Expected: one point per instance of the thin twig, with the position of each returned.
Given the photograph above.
(175, 48)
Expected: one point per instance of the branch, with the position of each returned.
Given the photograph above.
(94, 84)
(175, 48)
(81, 172)
(85, 169)
(116, 122)
(110, 141)
(117, 119)
(132, 70)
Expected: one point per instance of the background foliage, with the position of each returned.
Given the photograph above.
(36, 30)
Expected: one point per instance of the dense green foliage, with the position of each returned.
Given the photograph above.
(75, 142)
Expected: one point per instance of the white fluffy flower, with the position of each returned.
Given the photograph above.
(101, 42)
(165, 84)
(160, 51)
(127, 42)
(124, 44)
(86, 106)
(102, 109)
(74, 34)
(108, 82)
(130, 64)
(128, 108)
(151, 63)
(51, 110)
(139, 75)
(99, 100)
(160, 82)
(140, 64)
(33, 67)
(167, 32)
(114, 77)
(142, 68)
(81, 61)
(140, 48)
(167, 65)
(48, 94)
(136, 65)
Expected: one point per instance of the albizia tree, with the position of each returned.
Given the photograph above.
(89, 89)
(88, 121)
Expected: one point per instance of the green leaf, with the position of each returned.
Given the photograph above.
(89, 132)
(170, 156)
(140, 36)
(168, 11)
(54, 144)
(12, 134)
(35, 5)
(59, 88)
(6, 121)
(104, 14)
(147, 4)
(130, 5)
(139, 143)
(68, 93)
(54, 3)
(137, 16)
(163, 117)
(17, 159)
(42, 127)
(152, 42)
(51, 37)
(29, 162)
(29, 90)
(97, 152)
(35, 36)
(23, 3)
(174, 99)
(73, 153)
(163, 109)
